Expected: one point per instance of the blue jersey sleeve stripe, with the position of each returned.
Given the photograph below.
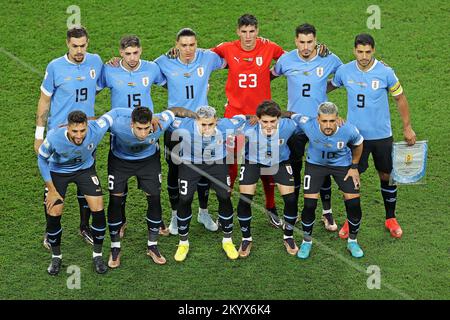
(48, 94)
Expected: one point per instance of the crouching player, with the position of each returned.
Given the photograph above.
(334, 151)
(267, 154)
(66, 156)
(202, 153)
(135, 152)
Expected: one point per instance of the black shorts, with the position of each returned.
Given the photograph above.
(297, 143)
(381, 150)
(86, 180)
(315, 175)
(251, 172)
(147, 172)
(189, 175)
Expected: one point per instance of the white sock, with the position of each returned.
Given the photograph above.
(248, 239)
(306, 241)
(352, 240)
(186, 242)
(60, 256)
(287, 237)
(152, 243)
(95, 254)
(225, 240)
(326, 211)
(203, 211)
(174, 213)
(115, 244)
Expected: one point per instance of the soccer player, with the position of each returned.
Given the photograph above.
(267, 153)
(307, 76)
(368, 82)
(66, 156)
(201, 153)
(187, 83)
(135, 152)
(334, 151)
(69, 84)
(130, 84)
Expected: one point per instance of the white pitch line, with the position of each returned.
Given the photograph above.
(23, 63)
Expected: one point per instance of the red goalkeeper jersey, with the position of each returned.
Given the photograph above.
(248, 81)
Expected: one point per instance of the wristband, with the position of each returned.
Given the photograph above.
(354, 166)
(39, 133)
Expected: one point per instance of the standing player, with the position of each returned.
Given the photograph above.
(70, 83)
(201, 154)
(267, 153)
(130, 86)
(187, 84)
(248, 84)
(368, 82)
(307, 77)
(328, 154)
(66, 156)
(135, 152)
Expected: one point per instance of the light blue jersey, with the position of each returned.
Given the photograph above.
(130, 89)
(58, 154)
(71, 86)
(326, 150)
(367, 95)
(268, 150)
(187, 84)
(125, 145)
(195, 148)
(306, 80)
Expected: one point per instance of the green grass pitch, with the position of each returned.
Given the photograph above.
(411, 39)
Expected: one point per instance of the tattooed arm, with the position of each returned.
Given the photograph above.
(41, 120)
(183, 113)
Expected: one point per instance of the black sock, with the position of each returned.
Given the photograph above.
(184, 214)
(98, 229)
(153, 217)
(226, 215)
(54, 233)
(123, 204)
(389, 194)
(325, 193)
(114, 217)
(244, 213)
(354, 214)
(296, 172)
(308, 217)
(85, 212)
(203, 193)
(290, 213)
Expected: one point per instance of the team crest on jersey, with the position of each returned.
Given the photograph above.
(145, 81)
(219, 142)
(92, 73)
(280, 142)
(259, 61)
(95, 180)
(200, 71)
(319, 71)
(90, 146)
(375, 84)
(152, 141)
(340, 144)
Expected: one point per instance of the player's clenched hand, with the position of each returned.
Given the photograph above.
(323, 50)
(113, 62)
(37, 144)
(53, 198)
(173, 53)
(410, 136)
(354, 174)
(156, 123)
(340, 121)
